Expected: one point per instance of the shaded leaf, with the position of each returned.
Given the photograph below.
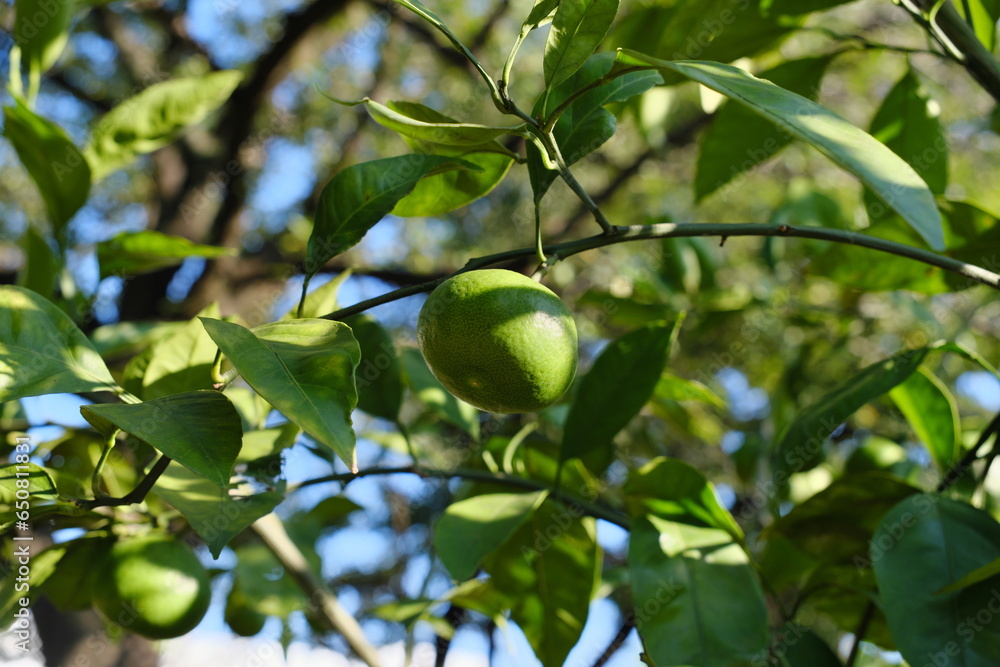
(435, 396)
(217, 514)
(549, 569)
(931, 410)
(924, 544)
(835, 525)
(378, 376)
(578, 27)
(199, 429)
(738, 139)
(54, 163)
(586, 125)
(181, 361)
(612, 392)
(676, 491)
(801, 446)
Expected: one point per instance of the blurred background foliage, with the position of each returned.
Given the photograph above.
(770, 325)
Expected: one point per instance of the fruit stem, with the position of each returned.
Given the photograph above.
(136, 495)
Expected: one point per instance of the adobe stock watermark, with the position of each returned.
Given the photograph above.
(21, 565)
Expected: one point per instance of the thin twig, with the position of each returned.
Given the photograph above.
(616, 642)
(960, 468)
(859, 634)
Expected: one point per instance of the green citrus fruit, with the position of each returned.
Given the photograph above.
(241, 617)
(154, 586)
(499, 340)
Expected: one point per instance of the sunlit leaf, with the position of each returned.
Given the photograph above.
(42, 351)
(133, 253)
(473, 528)
(304, 368)
(891, 178)
(155, 118)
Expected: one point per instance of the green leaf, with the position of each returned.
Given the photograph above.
(673, 490)
(41, 265)
(619, 383)
(924, 544)
(440, 193)
(322, 300)
(586, 125)
(541, 10)
(738, 139)
(549, 568)
(931, 410)
(70, 586)
(199, 429)
(54, 163)
(304, 368)
(718, 30)
(804, 648)
(436, 397)
(801, 446)
(261, 578)
(42, 351)
(217, 513)
(429, 126)
(908, 122)
(41, 30)
(697, 600)
(155, 118)
(673, 388)
(984, 16)
(34, 479)
(181, 361)
(471, 529)
(892, 179)
(133, 253)
(358, 197)
(378, 376)
(983, 573)
(124, 339)
(795, 7)
(578, 27)
(43, 566)
(835, 525)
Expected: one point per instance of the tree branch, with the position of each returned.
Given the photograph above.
(620, 234)
(958, 39)
(616, 642)
(272, 532)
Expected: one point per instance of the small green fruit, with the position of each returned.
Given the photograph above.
(154, 586)
(499, 341)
